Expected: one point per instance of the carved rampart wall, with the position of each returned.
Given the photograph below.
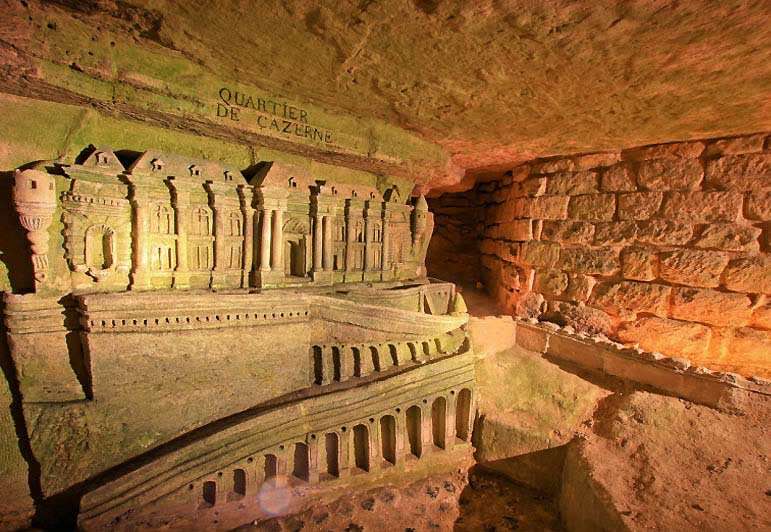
(418, 415)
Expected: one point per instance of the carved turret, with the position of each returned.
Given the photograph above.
(423, 227)
(420, 215)
(34, 197)
(458, 306)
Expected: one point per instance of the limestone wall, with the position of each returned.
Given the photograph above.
(666, 246)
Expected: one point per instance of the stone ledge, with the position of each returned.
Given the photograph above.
(674, 376)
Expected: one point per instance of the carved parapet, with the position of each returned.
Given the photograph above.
(50, 369)
(34, 198)
(459, 307)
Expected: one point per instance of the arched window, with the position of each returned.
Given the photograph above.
(318, 365)
(438, 421)
(356, 362)
(394, 355)
(413, 351)
(462, 414)
(301, 466)
(375, 358)
(361, 446)
(340, 231)
(271, 467)
(388, 438)
(234, 227)
(201, 222)
(413, 430)
(332, 448)
(161, 220)
(426, 350)
(209, 493)
(337, 364)
(239, 482)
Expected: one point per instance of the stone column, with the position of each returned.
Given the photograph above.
(472, 409)
(313, 460)
(318, 244)
(181, 206)
(140, 279)
(277, 255)
(265, 241)
(401, 436)
(253, 478)
(345, 442)
(221, 493)
(350, 229)
(248, 249)
(367, 243)
(327, 253)
(375, 446)
(449, 422)
(426, 430)
(386, 245)
(219, 235)
(346, 362)
(282, 477)
(327, 364)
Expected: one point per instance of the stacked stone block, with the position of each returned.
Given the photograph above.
(666, 246)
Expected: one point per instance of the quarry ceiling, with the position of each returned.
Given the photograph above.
(483, 84)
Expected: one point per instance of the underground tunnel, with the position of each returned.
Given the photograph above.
(405, 265)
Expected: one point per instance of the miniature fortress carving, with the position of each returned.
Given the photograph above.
(217, 337)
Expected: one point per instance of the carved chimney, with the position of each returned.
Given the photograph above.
(34, 197)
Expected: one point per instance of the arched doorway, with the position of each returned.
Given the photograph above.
(294, 256)
(388, 438)
(438, 421)
(332, 448)
(361, 446)
(413, 430)
(301, 461)
(462, 414)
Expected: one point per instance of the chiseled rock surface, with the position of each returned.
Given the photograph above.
(16, 505)
(526, 403)
(704, 70)
(659, 463)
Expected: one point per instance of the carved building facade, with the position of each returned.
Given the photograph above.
(171, 222)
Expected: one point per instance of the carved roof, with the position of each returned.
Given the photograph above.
(280, 175)
(163, 165)
(103, 159)
(362, 192)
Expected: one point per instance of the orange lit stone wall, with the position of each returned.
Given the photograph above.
(666, 246)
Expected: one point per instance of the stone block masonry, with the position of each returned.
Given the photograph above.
(665, 246)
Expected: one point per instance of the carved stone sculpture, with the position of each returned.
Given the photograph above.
(34, 197)
(172, 343)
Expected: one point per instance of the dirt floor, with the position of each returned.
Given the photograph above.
(486, 502)
(493, 503)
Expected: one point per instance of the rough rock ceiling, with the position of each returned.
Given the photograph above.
(492, 81)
